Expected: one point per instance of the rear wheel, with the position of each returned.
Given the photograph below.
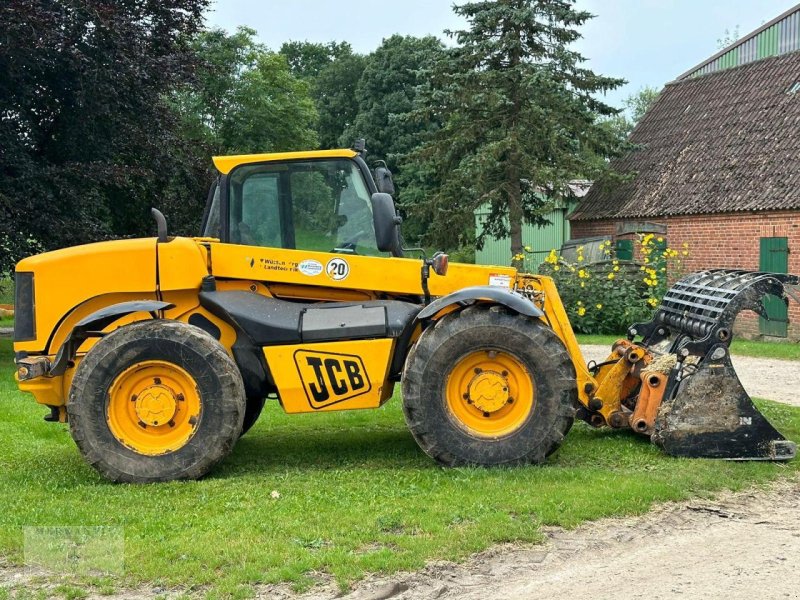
(156, 401)
(486, 387)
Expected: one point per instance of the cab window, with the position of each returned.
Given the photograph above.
(319, 205)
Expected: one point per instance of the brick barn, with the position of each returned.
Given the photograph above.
(718, 167)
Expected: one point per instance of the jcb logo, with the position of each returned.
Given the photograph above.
(329, 378)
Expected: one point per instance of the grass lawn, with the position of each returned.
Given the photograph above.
(783, 350)
(356, 496)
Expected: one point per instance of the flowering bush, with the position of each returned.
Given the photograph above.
(609, 296)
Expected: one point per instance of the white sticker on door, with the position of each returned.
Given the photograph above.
(499, 280)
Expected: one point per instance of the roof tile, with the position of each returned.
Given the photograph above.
(724, 142)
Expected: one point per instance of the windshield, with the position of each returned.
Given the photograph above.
(319, 205)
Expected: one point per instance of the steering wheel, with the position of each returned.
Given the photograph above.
(350, 245)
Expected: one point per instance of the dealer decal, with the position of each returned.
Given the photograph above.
(330, 377)
(310, 267)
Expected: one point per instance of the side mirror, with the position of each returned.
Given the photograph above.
(383, 180)
(386, 222)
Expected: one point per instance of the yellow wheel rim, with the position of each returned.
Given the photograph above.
(153, 408)
(490, 393)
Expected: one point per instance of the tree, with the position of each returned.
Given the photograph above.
(335, 94)
(521, 118)
(386, 100)
(308, 59)
(386, 95)
(728, 38)
(88, 143)
(640, 102)
(636, 105)
(333, 72)
(245, 98)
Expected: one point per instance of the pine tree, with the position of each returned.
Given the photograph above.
(521, 119)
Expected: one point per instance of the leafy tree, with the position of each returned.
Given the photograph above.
(640, 102)
(308, 59)
(521, 118)
(333, 72)
(87, 143)
(386, 95)
(335, 94)
(729, 37)
(636, 105)
(245, 98)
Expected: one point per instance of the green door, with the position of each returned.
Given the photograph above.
(774, 258)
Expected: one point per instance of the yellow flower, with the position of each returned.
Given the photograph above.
(646, 260)
(685, 245)
(583, 284)
(580, 258)
(580, 303)
(581, 311)
(582, 274)
(686, 253)
(598, 306)
(615, 262)
(527, 248)
(556, 268)
(616, 267)
(652, 302)
(660, 240)
(611, 275)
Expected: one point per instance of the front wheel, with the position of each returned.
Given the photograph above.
(486, 387)
(156, 401)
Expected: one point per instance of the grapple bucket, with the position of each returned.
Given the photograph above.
(705, 411)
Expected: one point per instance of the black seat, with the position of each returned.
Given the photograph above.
(271, 321)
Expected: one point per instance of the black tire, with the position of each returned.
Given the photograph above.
(440, 348)
(218, 385)
(252, 411)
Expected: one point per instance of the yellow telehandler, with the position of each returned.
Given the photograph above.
(160, 352)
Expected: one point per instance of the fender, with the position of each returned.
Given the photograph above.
(487, 293)
(91, 325)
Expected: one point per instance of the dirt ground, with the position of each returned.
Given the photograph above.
(738, 546)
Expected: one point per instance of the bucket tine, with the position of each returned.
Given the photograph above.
(705, 411)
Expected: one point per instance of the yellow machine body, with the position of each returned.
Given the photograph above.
(331, 321)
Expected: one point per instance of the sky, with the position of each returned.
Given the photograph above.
(646, 42)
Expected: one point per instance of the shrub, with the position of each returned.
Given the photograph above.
(611, 295)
